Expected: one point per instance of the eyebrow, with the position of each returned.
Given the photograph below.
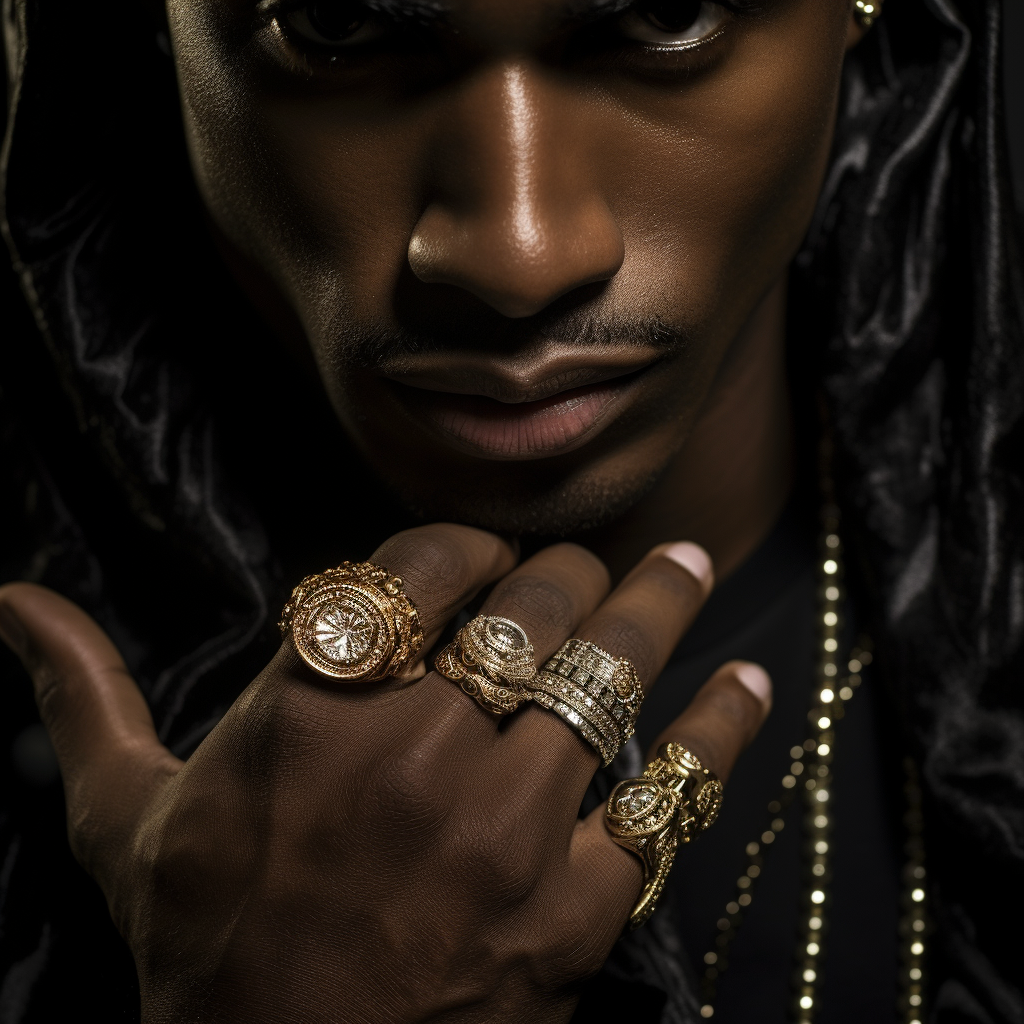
(418, 10)
(436, 10)
(399, 10)
(597, 8)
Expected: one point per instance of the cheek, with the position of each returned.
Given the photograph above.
(729, 179)
(319, 190)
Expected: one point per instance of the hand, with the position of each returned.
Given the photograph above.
(371, 853)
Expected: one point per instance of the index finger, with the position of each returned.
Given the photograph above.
(442, 567)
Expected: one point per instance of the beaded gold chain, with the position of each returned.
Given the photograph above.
(810, 775)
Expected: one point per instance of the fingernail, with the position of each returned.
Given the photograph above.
(694, 559)
(756, 680)
(12, 632)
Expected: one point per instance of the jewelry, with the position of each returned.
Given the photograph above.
(491, 658)
(811, 763)
(866, 11)
(673, 800)
(353, 623)
(597, 694)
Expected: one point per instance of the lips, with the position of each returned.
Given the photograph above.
(512, 414)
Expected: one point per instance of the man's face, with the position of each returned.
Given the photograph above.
(520, 236)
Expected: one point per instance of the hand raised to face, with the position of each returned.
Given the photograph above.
(338, 852)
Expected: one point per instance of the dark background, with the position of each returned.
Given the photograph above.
(1013, 56)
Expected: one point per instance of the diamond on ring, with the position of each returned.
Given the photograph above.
(491, 658)
(673, 800)
(596, 693)
(353, 623)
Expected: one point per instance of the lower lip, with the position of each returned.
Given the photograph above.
(501, 430)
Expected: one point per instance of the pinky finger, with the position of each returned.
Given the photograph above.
(720, 722)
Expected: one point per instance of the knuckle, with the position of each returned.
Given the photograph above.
(413, 798)
(538, 599)
(674, 584)
(579, 564)
(279, 724)
(295, 720)
(575, 950)
(626, 637)
(732, 701)
(50, 693)
(86, 830)
(502, 862)
(426, 555)
(163, 858)
(710, 749)
(178, 849)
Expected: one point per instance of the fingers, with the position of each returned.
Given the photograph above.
(723, 717)
(648, 613)
(550, 594)
(643, 620)
(720, 722)
(100, 725)
(444, 566)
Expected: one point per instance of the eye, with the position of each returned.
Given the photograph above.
(673, 23)
(333, 24)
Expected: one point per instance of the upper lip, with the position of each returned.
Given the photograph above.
(515, 380)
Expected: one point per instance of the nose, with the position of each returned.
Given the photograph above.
(514, 216)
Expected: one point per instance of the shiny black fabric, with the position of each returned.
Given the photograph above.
(914, 265)
(147, 477)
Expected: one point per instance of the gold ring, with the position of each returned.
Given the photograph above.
(353, 623)
(491, 658)
(652, 816)
(594, 692)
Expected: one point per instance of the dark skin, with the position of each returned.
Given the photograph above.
(539, 263)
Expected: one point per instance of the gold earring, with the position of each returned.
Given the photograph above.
(866, 11)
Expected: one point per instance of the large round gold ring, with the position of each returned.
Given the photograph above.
(353, 623)
(492, 659)
(652, 816)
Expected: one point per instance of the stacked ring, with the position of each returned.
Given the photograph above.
(491, 658)
(353, 623)
(594, 692)
(652, 816)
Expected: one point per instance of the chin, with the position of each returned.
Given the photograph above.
(523, 504)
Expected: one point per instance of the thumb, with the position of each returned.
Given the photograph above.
(110, 758)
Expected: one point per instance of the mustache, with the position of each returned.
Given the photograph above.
(368, 346)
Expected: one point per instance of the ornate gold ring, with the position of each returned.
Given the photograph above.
(353, 623)
(652, 816)
(491, 658)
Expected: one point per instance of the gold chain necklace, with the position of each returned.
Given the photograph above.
(810, 775)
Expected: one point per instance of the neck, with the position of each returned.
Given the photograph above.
(728, 484)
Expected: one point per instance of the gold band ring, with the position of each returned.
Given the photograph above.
(353, 623)
(652, 816)
(491, 658)
(595, 693)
